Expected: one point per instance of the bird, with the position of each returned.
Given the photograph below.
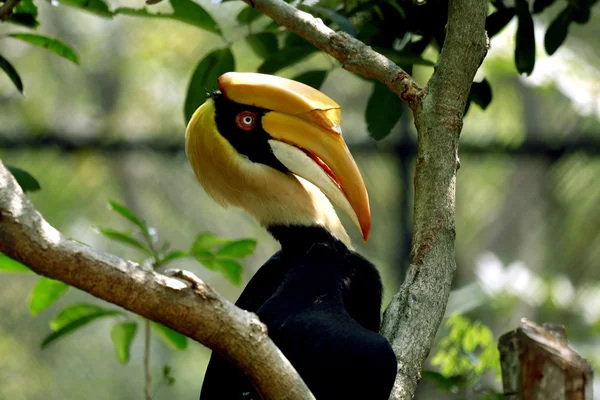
(273, 147)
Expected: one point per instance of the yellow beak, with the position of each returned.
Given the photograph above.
(306, 123)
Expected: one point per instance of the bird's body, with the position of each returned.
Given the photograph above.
(326, 327)
(273, 147)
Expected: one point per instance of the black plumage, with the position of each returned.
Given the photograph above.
(321, 303)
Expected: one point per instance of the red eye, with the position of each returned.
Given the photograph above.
(246, 120)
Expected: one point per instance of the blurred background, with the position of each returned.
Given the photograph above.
(528, 190)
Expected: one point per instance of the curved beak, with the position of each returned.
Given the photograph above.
(304, 125)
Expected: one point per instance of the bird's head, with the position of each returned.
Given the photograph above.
(273, 146)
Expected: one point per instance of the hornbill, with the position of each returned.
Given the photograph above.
(273, 147)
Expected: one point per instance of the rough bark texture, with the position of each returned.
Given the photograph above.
(354, 55)
(196, 311)
(413, 317)
(6, 9)
(537, 364)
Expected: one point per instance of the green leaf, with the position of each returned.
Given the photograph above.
(481, 93)
(447, 384)
(384, 110)
(312, 78)
(174, 255)
(122, 336)
(50, 44)
(541, 5)
(207, 241)
(7, 264)
(186, 11)
(341, 21)
(581, 10)
(238, 249)
(209, 261)
(248, 15)
(12, 73)
(73, 326)
(25, 13)
(125, 238)
(557, 31)
(293, 40)
(264, 44)
(174, 340)
(45, 292)
(97, 7)
(213, 65)
(76, 312)
(27, 182)
(284, 58)
(405, 57)
(130, 216)
(525, 39)
(230, 269)
(495, 22)
(167, 375)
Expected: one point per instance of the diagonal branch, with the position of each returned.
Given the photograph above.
(416, 311)
(354, 55)
(7, 8)
(196, 311)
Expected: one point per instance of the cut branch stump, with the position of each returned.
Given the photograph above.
(538, 364)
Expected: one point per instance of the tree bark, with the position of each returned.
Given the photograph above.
(7, 8)
(354, 55)
(537, 364)
(414, 314)
(196, 311)
(412, 319)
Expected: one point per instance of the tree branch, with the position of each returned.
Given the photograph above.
(7, 8)
(413, 317)
(354, 55)
(196, 311)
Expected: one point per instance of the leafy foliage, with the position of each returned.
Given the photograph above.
(384, 110)
(12, 73)
(469, 350)
(45, 292)
(25, 14)
(402, 30)
(205, 77)
(122, 336)
(525, 40)
(7, 264)
(51, 44)
(312, 78)
(74, 323)
(186, 11)
(214, 252)
(173, 339)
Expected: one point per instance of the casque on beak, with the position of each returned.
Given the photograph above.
(304, 125)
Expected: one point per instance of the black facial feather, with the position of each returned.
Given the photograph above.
(250, 143)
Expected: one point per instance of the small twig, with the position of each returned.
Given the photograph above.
(7, 8)
(147, 376)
